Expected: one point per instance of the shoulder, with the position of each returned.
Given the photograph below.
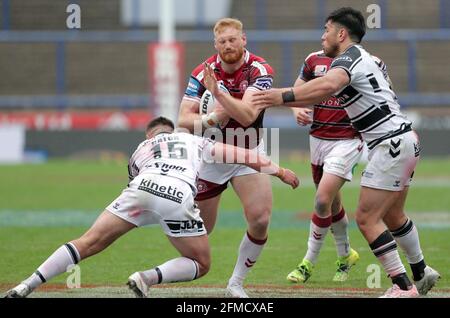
(259, 65)
(315, 56)
(198, 70)
(349, 59)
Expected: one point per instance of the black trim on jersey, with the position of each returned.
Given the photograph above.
(356, 62)
(363, 113)
(371, 122)
(404, 128)
(346, 95)
(347, 59)
(352, 101)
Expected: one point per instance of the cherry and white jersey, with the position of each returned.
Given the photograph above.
(330, 120)
(178, 155)
(370, 102)
(254, 74)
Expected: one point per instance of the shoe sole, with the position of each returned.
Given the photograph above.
(135, 289)
(12, 294)
(429, 284)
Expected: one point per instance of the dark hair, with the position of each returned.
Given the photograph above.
(159, 121)
(352, 20)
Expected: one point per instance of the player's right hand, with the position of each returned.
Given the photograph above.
(303, 116)
(289, 177)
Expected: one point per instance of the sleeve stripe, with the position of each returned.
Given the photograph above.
(260, 67)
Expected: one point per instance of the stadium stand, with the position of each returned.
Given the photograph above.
(105, 65)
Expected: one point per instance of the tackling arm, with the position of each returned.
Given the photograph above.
(307, 94)
(230, 154)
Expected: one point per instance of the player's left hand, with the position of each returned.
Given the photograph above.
(210, 79)
(288, 177)
(267, 98)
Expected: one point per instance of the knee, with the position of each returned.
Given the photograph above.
(204, 264)
(362, 220)
(323, 204)
(258, 218)
(90, 244)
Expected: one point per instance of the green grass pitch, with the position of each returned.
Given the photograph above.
(43, 206)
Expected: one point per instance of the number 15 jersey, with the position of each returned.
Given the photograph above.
(178, 155)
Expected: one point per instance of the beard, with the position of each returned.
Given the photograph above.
(331, 51)
(232, 57)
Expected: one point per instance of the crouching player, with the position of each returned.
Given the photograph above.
(163, 173)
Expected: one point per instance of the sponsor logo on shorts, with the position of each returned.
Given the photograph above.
(396, 183)
(183, 227)
(169, 193)
(116, 205)
(367, 174)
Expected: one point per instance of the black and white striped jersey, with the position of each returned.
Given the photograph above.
(368, 99)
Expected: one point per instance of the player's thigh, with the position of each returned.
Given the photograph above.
(105, 230)
(255, 192)
(208, 211)
(342, 157)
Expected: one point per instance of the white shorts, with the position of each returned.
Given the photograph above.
(337, 157)
(392, 162)
(153, 199)
(213, 178)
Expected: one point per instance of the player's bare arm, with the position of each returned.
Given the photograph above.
(189, 114)
(231, 154)
(240, 110)
(302, 114)
(310, 93)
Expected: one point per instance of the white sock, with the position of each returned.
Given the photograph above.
(56, 264)
(339, 227)
(249, 251)
(181, 269)
(317, 232)
(385, 249)
(407, 238)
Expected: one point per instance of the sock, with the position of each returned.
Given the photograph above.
(181, 269)
(56, 264)
(249, 251)
(407, 238)
(338, 228)
(317, 231)
(385, 249)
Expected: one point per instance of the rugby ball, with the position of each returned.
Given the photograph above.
(208, 103)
